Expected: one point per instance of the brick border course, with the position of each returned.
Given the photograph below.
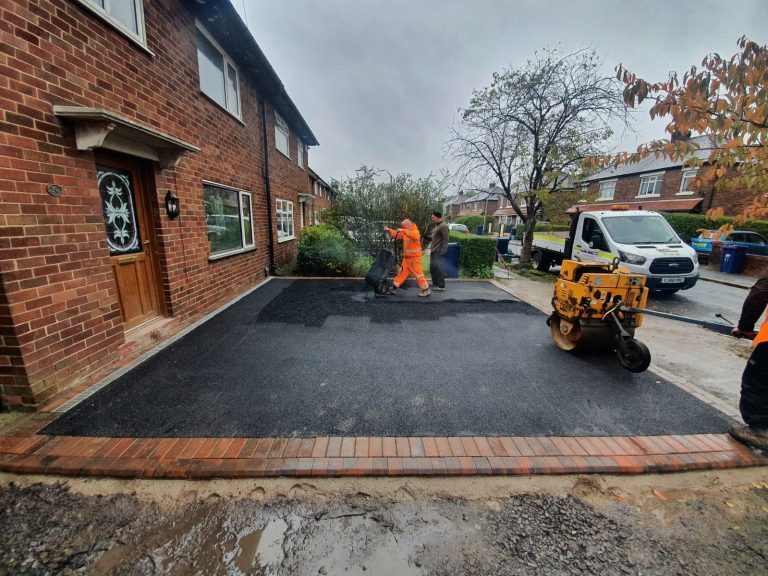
(24, 450)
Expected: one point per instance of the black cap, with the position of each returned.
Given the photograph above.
(437, 213)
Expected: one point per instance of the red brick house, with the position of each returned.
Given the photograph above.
(151, 169)
(323, 195)
(482, 203)
(661, 184)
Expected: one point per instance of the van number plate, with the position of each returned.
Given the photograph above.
(672, 280)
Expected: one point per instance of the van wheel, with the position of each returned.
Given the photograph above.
(540, 261)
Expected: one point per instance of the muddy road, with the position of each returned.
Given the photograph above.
(703, 523)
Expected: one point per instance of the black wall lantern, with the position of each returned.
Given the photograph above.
(171, 204)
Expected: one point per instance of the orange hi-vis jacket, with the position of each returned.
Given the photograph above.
(411, 256)
(762, 335)
(411, 240)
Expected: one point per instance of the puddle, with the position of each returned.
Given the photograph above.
(249, 544)
(270, 552)
(236, 540)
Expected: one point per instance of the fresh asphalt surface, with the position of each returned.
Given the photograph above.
(326, 358)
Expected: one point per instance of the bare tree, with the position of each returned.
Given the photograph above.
(368, 201)
(532, 127)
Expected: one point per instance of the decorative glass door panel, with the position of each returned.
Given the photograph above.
(115, 188)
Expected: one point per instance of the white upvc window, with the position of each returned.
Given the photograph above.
(285, 229)
(300, 153)
(229, 218)
(218, 73)
(127, 16)
(686, 181)
(607, 190)
(281, 135)
(650, 185)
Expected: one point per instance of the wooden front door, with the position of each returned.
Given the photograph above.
(130, 237)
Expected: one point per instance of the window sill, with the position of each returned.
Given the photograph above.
(140, 42)
(220, 107)
(222, 255)
(283, 153)
(286, 239)
(649, 196)
(685, 193)
(605, 199)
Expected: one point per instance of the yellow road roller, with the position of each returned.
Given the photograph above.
(598, 306)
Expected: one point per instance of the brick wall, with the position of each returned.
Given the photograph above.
(733, 201)
(755, 265)
(59, 289)
(287, 180)
(12, 376)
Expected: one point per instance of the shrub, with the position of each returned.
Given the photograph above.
(482, 272)
(686, 225)
(541, 227)
(477, 252)
(323, 251)
(473, 222)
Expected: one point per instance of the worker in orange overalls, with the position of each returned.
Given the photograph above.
(753, 403)
(411, 238)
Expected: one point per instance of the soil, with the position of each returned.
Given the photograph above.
(695, 523)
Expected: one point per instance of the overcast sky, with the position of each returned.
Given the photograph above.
(379, 81)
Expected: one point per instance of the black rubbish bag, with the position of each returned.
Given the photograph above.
(383, 266)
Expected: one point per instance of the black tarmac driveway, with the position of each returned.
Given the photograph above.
(326, 358)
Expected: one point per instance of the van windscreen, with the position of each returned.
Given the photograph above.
(639, 230)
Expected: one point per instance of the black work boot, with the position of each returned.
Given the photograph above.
(752, 437)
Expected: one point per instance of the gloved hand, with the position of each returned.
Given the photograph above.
(736, 333)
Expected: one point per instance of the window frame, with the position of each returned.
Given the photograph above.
(659, 176)
(281, 124)
(139, 38)
(228, 63)
(279, 212)
(613, 189)
(245, 247)
(685, 173)
(300, 153)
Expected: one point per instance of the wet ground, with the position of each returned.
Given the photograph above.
(704, 301)
(588, 528)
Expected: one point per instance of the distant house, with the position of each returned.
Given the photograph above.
(153, 168)
(660, 184)
(323, 195)
(481, 203)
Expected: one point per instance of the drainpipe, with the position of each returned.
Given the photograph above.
(267, 188)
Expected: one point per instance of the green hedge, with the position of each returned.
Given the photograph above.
(323, 251)
(478, 253)
(541, 227)
(472, 222)
(686, 225)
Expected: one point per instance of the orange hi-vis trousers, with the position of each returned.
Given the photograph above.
(411, 266)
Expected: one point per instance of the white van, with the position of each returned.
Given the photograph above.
(643, 241)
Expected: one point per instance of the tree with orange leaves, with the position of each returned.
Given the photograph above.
(726, 99)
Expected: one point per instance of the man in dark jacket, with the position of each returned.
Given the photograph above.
(753, 403)
(437, 252)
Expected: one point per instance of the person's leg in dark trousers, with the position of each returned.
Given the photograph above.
(437, 271)
(753, 404)
(754, 389)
